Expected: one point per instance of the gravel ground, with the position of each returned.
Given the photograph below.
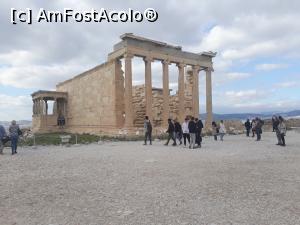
(239, 181)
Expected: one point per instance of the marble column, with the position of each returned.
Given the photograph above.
(148, 86)
(166, 92)
(195, 99)
(181, 100)
(128, 91)
(209, 115)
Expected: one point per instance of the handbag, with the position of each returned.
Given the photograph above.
(19, 132)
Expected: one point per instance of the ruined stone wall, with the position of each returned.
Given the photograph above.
(139, 103)
(91, 105)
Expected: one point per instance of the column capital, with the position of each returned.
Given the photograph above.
(128, 55)
(196, 68)
(166, 62)
(209, 69)
(148, 59)
(180, 65)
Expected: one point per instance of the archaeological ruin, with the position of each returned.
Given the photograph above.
(104, 100)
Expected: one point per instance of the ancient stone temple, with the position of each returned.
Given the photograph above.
(104, 101)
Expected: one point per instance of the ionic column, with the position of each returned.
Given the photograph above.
(148, 87)
(128, 91)
(166, 92)
(195, 99)
(209, 115)
(181, 108)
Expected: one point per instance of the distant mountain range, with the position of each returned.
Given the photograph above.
(230, 116)
(244, 116)
(22, 123)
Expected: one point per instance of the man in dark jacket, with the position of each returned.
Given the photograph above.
(178, 131)
(248, 127)
(258, 130)
(171, 132)
(192, 130)
(147, 130)
(199, 126)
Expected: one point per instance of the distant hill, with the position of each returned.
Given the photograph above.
(244, 116)
(22, 123)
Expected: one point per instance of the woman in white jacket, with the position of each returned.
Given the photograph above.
(222, 130)
(185, 131)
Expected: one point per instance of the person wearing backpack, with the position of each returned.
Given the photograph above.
(147, 130)
(14, 133)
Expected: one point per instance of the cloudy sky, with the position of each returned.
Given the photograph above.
(256, 69)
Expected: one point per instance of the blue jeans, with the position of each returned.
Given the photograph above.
(14, 144)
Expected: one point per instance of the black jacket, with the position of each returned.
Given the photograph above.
(171, 128)
(178, 127)
(199, 126)
(192, 127)
(247, 124)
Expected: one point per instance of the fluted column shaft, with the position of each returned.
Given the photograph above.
(196, 91)
(128, 91)
(148, 87)
(166, 92)
(181, 107)
(209, 115)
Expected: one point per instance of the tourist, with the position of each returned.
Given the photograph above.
(185, 131)
(178, 131)
(2, 136)
(147, 130)
(222, 130)
(215, 130)
(14, 132)
(192, 130)
(61, 121)
(253, 125)
(282, 130)
(275, 124)
(199, 127)
(258, 128)
(171, 133)
(248, 127)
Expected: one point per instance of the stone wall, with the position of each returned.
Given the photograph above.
(157, 103)
(91, 105)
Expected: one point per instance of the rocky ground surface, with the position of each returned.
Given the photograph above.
(238, 181)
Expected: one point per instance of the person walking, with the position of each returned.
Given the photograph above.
(248, 127)
(282, 130)
(171, 132)
(178, 131)
(275, 124)
(192, 130)
(147, 130)
(199, 127)
(258, 128)
(222, 130)
(253, 126)
(2, 136)
(14, 132)
(215, 130)
(185, 131)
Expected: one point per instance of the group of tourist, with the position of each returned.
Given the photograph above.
(256, 125)
(13, 137)
(190, 131)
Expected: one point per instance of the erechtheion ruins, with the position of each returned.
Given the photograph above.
(104, 101)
